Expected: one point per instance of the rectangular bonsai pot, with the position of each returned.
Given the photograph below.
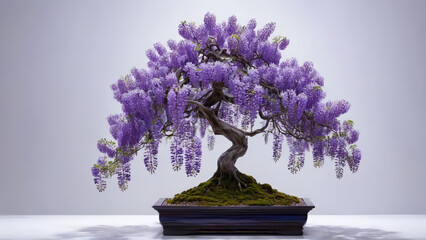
(184, 220)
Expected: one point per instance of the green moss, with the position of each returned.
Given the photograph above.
(209, 193)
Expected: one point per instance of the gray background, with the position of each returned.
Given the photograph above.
(59, 58)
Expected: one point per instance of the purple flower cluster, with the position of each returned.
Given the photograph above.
(127, 130)
(203, 127)
(106, 147)
(351, 134)
(193, 157)
(318, 153)
(210, 23)
(355, 158)
(277, 147)
(265, 32)
(151, 156)
(176, 151)
(99, 176)
(256, 103)
(123, 175)
(207, 73)
(176, 106)
(283, 44)
(297, 154)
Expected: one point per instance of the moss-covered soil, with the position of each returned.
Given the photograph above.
(209, 193)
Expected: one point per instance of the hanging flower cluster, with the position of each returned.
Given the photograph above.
(238, 71)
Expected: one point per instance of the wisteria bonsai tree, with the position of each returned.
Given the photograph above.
(227, 78)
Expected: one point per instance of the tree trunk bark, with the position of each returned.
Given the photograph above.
(226, 161)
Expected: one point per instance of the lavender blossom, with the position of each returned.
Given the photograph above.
(151, 156)
(176, 152)
(161, 50)
(277, 147)
(193, 157)
(99, 176)
(123, 176)
(210, 23)
(265, 32)
(283, 44)
(107, 147)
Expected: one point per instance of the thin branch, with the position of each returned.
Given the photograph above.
(272, 88)
(257, 131)
(216, 123)
(199, 99)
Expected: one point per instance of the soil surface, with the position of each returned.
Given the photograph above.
(227, 192)
(165, 203)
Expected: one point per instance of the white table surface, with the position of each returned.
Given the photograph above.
(148, 227)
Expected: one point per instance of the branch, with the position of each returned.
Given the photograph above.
(287, 131)
(215, 96)
(219, 127)
(207, 113)
(272, 88)
(257, 131)
(257, 56)
(199, 99)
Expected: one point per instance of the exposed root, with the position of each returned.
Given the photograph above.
(219, 180)
(239, 181)
(219, 175)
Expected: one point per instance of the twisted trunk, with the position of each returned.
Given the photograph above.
(226, 161)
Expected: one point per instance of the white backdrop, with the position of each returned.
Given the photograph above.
(59, 58)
